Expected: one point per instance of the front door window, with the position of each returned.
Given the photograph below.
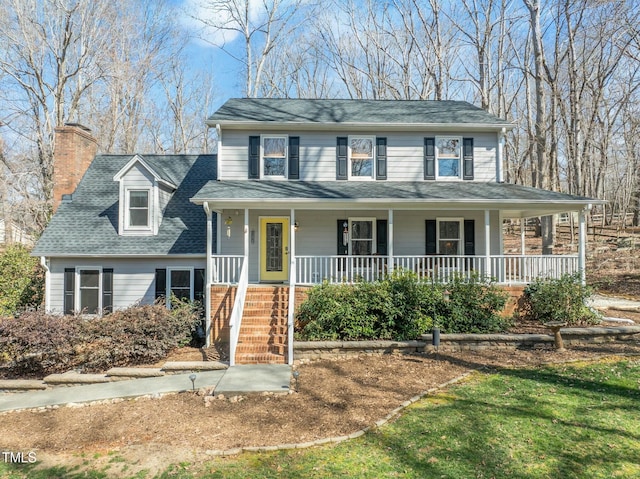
(274, 249)
(362, 231)
(274, 246)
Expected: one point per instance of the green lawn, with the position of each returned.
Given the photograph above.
(577, 421)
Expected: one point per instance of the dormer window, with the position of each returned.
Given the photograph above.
(144, 194)
(274, 156)
(138, 209)
(361, 151)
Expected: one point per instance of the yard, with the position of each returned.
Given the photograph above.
(508, 420)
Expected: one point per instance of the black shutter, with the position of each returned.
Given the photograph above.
(198, 285)
(381, 237)
(343, 249)
(467, 158)
(381, 158)
(161, 283)
(469, 237)
(107, 290)
(69, 290)
(431, 239)
(341, 162)
(254, 157)
(429, 158)
(294, 157)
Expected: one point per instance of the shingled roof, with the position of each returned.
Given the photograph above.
(88, 223)
(239, 111)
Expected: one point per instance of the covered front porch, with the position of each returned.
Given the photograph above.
(301, 234)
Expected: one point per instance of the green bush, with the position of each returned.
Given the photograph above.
(36, 344)
(473, 307)
(560, 299)
(21, 280)
(399, 307)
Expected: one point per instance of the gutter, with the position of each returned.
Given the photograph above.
(47, 280)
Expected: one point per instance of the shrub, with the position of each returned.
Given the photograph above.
(400, 308)
(21, 280)
(560, 299)
(473, 307)
(35, 344)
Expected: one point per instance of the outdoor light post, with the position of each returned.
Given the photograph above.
(193, 381)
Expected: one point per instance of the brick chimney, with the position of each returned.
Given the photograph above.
(74, 150)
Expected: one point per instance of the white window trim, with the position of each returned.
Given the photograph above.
(460, 221)
(460, 165)
(373, 158)
(167, 286)
(286, 158)
(78, 291)
(127, 219)
(374, 238)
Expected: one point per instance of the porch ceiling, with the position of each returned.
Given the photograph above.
(514, 201)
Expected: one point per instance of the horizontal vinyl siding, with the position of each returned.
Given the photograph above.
(405, 154)
(137, 177)
(133, 279)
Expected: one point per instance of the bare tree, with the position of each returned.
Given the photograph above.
(263, 27)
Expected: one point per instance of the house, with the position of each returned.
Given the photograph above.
(300, 192)
(13, 233)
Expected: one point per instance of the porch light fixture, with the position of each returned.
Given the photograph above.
(228, 222)
(296, 226)
(345, 234)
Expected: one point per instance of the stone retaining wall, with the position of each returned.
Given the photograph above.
(463, 342)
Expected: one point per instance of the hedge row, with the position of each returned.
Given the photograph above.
(36, 344)
(399, 308)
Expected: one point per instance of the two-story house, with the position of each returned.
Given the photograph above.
(300, 192)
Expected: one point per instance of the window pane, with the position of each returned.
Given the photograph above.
(274, 166)
(89, 300)
(449, 247)
(360, 247)
(361, 167)
(450, 229)
(180, 279)
(362, 229)
(448, 148)
(138, 217)
(361, 148)
(274, 147)
(138, 199)
(89, 278)
(448, 167)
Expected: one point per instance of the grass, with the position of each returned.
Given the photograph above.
(571, 421)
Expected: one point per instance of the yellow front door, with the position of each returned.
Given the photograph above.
(274, 249)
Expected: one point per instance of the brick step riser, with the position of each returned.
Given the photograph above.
(278, 339)
(262, 321)
(251, 330)
(253, 303)
(264, 311)
(259, 349)
(264, 358)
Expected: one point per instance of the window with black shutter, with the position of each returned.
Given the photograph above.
(161, 283)
(469, 237)
(294, 157)
(467, 158)
(431, 237)
(69, 290)
(381, 158)
(429, 158)
(341, 157)
(107, 290)
(254, 157)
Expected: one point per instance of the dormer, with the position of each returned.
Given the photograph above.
(144, 194)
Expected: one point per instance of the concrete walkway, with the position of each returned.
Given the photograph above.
(598, 301)
(233, 381)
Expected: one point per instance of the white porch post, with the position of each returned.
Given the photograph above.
(218, 232)
(292, 242)
(582, 245)
(522, 235)
(209, 275)
(246, 234)
(390, 243)
(487, 242)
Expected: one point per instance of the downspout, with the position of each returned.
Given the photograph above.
(47, 281)
(208, 277)
(500, 156)
(218, 150)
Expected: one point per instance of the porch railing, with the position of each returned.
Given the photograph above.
(236, 313)
(517, 269)
(226, 268)
(506, 269)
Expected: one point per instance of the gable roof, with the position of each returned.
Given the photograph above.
(243, 112)
(514, 200)
(160, 176)
(87, 225)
